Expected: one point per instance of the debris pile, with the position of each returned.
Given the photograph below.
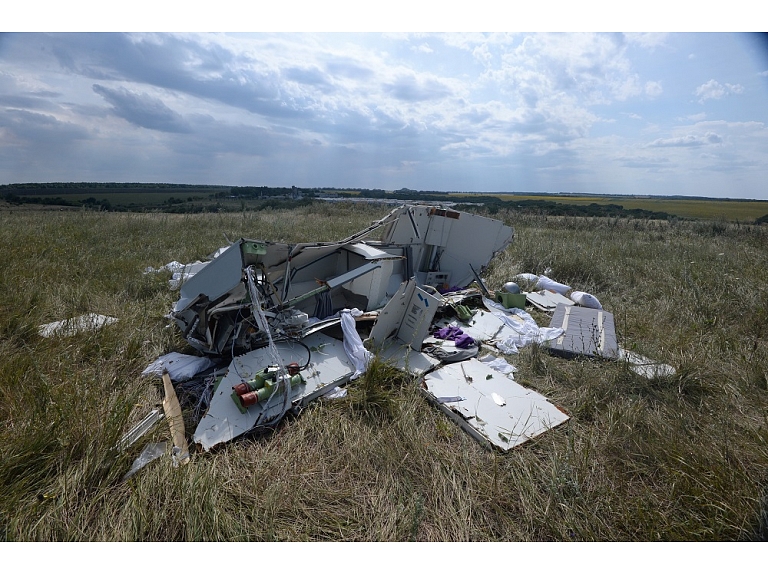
(278, 325)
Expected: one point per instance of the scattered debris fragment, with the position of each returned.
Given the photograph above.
(522, 329)
(498, 363)
(179, 366)
(546, 300)
(84, 323)
(585, 300)
(645, 367)
(551, 285)
(150, 452)
(141, 428)
(175, 420)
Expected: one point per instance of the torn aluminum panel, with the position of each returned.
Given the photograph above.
(491, 407)
(586, 331)
(75, 325)
(328, 366)
(645, 367)
(402, 326)
(547, 300)
(315, 280)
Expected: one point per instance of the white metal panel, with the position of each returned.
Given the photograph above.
(473, 240)
(439, 230)
(407, 316)
(547, 300)
(329, 366)
(370, 252)
(404, 357)
(524, 415)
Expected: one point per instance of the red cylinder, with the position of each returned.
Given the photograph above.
(241, 388)
(250, 398)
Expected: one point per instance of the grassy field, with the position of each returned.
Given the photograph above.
(193, 199)
(679, 458)
(697, 208)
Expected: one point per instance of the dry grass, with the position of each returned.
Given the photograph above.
(681, 458)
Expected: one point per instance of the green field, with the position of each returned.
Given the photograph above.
(673, 458)
(178, 198)
(697, 208)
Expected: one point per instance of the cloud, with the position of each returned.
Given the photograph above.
(714, 90)
(27, 102)
(648, 40)
(644, 162)
(142, 110)
(311, 76)
(411, 88)
(423, 48)
(689, 141)
(653, 89)
(38, 129)
(348, 68)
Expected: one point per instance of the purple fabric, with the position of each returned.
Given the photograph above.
(450, 332)
(453, 333)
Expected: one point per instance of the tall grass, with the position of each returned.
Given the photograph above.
(676, 458)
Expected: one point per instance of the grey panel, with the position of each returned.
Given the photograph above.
(215, 279)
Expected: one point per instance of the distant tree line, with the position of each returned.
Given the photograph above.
(550, 208)
(266, 197)
(47, 188)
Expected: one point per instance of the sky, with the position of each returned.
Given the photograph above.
(609, 113)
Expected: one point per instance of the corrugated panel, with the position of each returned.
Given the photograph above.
(589, 332)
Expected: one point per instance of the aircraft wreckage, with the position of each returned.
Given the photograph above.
(285, 318)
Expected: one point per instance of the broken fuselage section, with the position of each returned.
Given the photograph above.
(301, 284)
(276, 309)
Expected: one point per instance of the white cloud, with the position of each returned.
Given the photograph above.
(424, 48)
(648, 40)
(687, 141)
(653, 89)
(714, 90)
